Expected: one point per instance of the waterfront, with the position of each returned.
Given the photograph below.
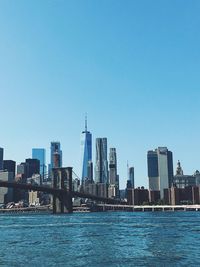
(101, 239)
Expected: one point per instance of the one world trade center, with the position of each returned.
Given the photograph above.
(86, 151)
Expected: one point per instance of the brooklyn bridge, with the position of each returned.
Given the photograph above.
(61, 191)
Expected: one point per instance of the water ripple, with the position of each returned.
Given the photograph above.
(101, 239)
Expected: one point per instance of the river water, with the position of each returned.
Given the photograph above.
(101, 239)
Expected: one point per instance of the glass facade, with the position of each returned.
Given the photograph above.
(160, 169)
(131, 177)
(40, 154)
(152, 162)
(86, 153)
(101, 168)
(112, 166)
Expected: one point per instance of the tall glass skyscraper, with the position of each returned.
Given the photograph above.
(131, 177)
(160, 169)
(113, 190)
(113, 166)
(101, 168)
(86, 151)
(40, 154)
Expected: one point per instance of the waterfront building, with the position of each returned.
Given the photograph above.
(178, 196)
(154, 196)
(197, 175)
(1, 158)
(160, 169)
(113, 191)
(101, 168)
(34, 197)
(122, 193)
(40, 154)
(56, 155)
(90, 188)
(86, 151)
(196, 195)
(137, 196)
(10, 166)
(181, 181)
(6, 194)
(102, 190)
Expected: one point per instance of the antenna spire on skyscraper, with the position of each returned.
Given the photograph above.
(85, 122)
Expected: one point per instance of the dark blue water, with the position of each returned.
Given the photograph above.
(101, 239)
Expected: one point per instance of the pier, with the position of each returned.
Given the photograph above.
(144, 208)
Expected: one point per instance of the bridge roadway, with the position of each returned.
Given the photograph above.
(60, 193)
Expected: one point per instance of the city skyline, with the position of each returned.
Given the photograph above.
(133, 67)
(160, 171)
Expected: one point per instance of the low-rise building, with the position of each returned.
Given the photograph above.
(137, 196)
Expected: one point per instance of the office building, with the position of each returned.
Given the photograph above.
(9, 166)
(113, 190)
(40, 154)
(90, 188)
(112, 166)
(102, 190)
(56, 155)
(131, 177)
(90, 171)
(160, 169)
(32, 167)
(21, 172)
(181, 180)
(101, 168)
(180, 196)
(86, 151)
(1, 158)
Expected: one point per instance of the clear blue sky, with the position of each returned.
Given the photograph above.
(133, 66)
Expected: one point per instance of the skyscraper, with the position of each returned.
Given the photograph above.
(101, 168)
(131, 177)
(90, 171)
(32, 167)
(112, 166)
(40, 154)
(160, 169)
(86, 151)
(1, 158)
(113, 177)
(56, 155)
(9, 166)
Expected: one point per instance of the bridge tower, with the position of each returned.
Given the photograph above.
(62, 179)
